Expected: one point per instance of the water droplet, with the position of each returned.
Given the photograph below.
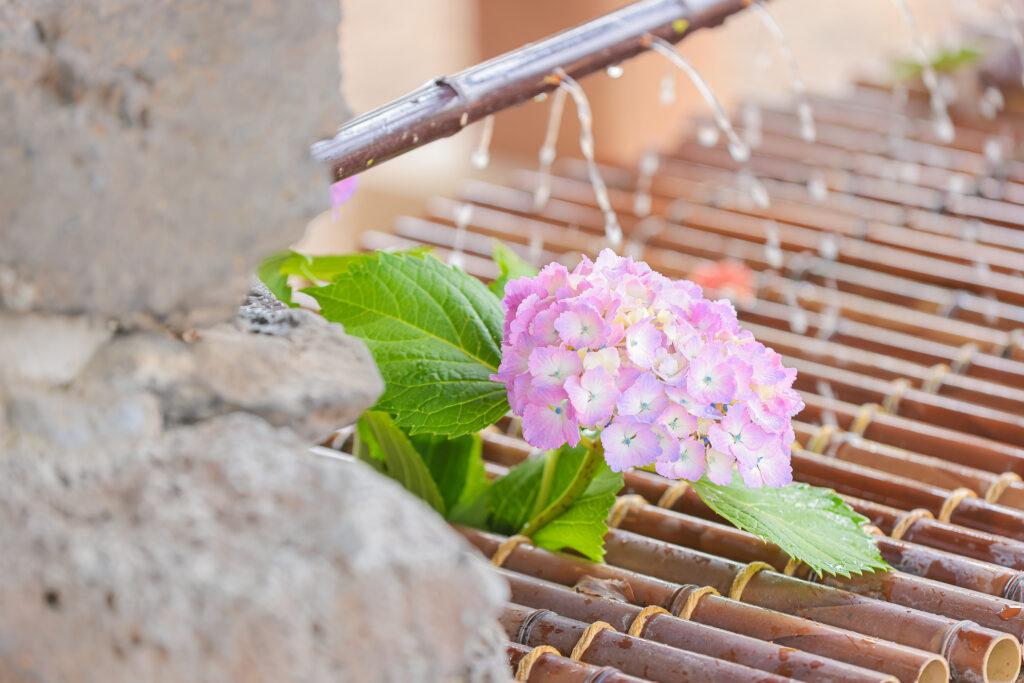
(993, 151)
(481, 155)
(759, 193)
(828, 247)
(991, 102)
(739, 151)
(817, 186)
(614, 71)
(750, 114)
(943, 125)
(707, 135)
(667, 87)
(808, 131)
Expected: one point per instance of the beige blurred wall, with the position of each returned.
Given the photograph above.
(389, 47)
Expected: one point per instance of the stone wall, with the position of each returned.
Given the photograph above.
(161, 516)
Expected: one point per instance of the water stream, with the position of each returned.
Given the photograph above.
(803, 108)
(612, 230)
(463, 216)
(737, 147)
(644, 180)
(941, 123)
(542, 192)
(482, 154)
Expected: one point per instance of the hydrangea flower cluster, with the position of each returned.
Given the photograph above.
(665, 375)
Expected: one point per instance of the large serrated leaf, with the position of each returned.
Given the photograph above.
(456, 466)
(435, 333)
(582, 527)
(386, 442)
(811, 524)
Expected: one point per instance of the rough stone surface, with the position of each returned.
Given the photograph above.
(221, 552)
(51, 349)
(153, 152)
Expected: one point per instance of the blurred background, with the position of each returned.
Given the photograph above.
(833, 42)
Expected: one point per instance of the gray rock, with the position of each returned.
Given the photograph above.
(49, 349)
(153, 152)
(221, 552)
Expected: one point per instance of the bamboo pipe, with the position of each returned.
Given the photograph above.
(634, 656)
(907, 664)
(553, 668)
(902, 589)
(863, 482)
(686, 635)
(973, 652)
(446, 105)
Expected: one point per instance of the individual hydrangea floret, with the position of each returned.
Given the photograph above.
(667, 377)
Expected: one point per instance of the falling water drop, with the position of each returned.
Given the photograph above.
(750, 115)
(817, 186)
(828, 247)
(993, 151)
(644, 179)
(753, 188)
(807, 129)
(941, 122)
(707, 135)
(612, 231)
(1016, 35)
(797, 316)
(542, 192)
(991, 102)
(536, 243)
(737, 148)
(481, 155)
(614, 71)
(825, 391)
(463, 216)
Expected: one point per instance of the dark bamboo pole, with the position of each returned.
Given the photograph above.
(549, 667)
(448, 104)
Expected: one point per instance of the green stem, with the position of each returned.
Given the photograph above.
(547, 478)
(588, 468)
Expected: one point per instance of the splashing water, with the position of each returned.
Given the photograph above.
(482, 155)
(542, 192)
(941, 122)
(612, 231)
(738, 149)
(750, 115)
(753, 188)
(1013, 26)
(807, 129)
(463, 216)
(817, 186)
(644, 180)
(991, 102)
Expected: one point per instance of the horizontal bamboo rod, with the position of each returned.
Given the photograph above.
(448, 104)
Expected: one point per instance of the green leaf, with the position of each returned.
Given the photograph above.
(582, 527)
(944, 62)
(511, 265)
(270, 274)
(811, 524)
(435, 333)
(386, 442)
(456, 466)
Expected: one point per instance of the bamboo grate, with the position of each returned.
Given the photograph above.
(887, 270)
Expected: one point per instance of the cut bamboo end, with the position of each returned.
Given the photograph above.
(1003, 660)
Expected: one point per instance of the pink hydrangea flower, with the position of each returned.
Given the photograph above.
(667, 377)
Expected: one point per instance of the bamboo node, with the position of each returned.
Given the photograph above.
(686, 611)
(524, 627)
(954, 499)
(588, 637)
(907, 520)
(872, 529)
(821, 439)
(792, 566)
(743, 577)
(935, 377)
(673, 493)
(864, 417)
(637, 627)
(1001, 483)
(891, 403)
(531, 657)
(506, 548)
(622, 507)
(964, 357)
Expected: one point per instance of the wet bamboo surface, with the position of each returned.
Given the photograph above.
(894, 287)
